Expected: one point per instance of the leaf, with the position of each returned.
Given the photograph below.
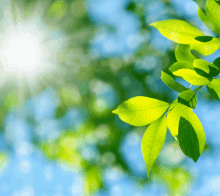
(205, 68)
(201, 4)
(188, 98)
(169, 81)
(211, 15)
(180, 65)
(140, 111)
(173, 117)
(153, 141)
(192, 77)
(214, 88)
(204, 38)
(206, 48)
(216, 62)
(217, 1)
(178, 31)
(175, 111)
(188, 140)
(182, 53)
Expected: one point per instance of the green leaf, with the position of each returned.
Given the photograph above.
(206, 48)
(175, 111)
(211, 16)
(188, 98)
(214, 88)
(188, 140)
(201, 4)
(180, 65)
(173, 117)
(140, 111)
(204, 38)
(178, 31)
(216, 62)
(182, 53)
(169, 81)
(153, 141)
(217, 1)
(192, 77)
(205, 68)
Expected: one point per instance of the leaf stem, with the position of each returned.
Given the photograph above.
(198, 88)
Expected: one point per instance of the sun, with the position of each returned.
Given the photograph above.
(29, 50)
(21, 52)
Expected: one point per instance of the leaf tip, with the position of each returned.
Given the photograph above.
(153, 24)
(195, 159)
(114, 111)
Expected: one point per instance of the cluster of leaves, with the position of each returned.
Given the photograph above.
(178, 116)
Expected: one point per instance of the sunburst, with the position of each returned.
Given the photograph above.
(25, 49)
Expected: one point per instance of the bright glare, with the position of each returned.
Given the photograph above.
(21, 53)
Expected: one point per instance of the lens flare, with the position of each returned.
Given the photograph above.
(21, 53)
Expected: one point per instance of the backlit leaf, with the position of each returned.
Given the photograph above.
(153, 141)
(180, 65)
(214, 88)
(188, 140)
(182, 53)
(188, 98)
(211, 16)
(192, 77)
(173, 117)
(178, 31)
(217, 1)
(140, 111)
(206, 48)
(169, 81)
(205, 68)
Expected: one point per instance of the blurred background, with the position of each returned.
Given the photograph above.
(65, 65)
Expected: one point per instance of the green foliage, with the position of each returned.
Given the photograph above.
(169, 81)
(153, 141)
(188, 140)
(216, 62)
(180, 65)
(201, 4)
(206, 48)
(182, 122)
(182, 53)
(210, 16)
(178, 31)
(188, 98)
(205, 68)
(192, 77)
(140, 111)
(214, 88)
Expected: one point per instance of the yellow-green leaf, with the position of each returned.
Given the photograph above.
(140, 111)
(205, 69)
(192, 77)
(182, 53)
(211, 17)
(173, 117)
(214, 88)
(188, 98)
(178, 31)
(169, 81)
(153, 141)
(181, 65)
(206, 48)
